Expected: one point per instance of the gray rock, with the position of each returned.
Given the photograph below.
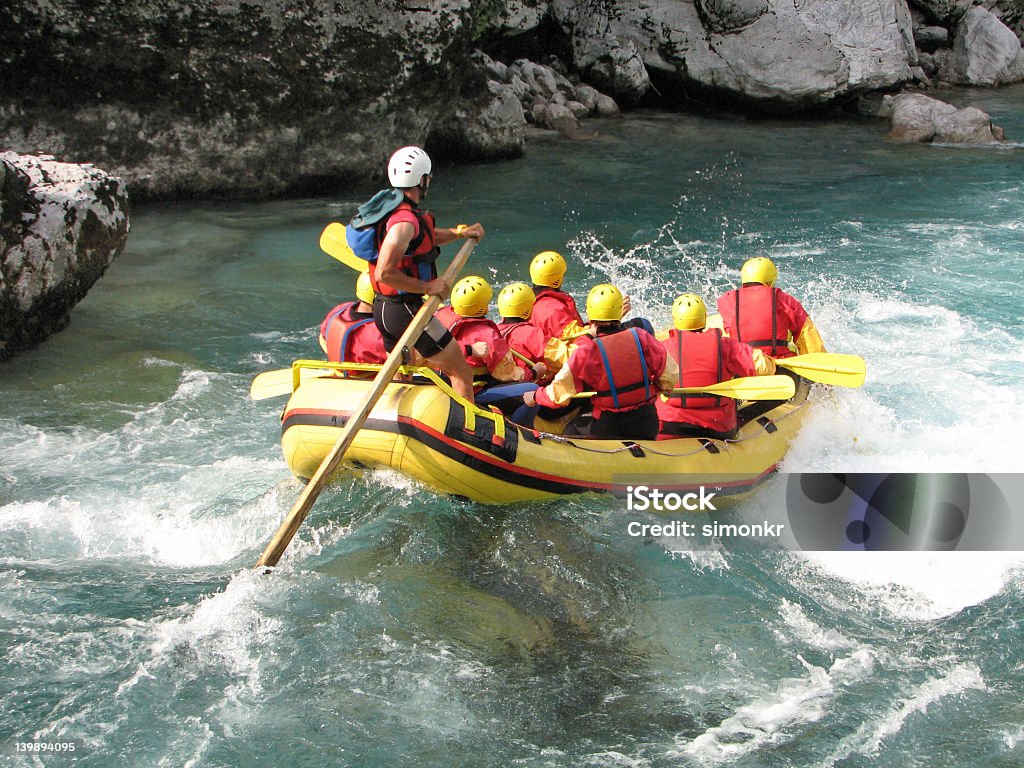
(587, 96)
(930, 38)
(61, 225)
(917, 118)
(944, 11)
(790, 55)
(985, 52)
(606, 106)
(730, 15)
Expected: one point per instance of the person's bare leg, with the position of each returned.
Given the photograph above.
(451, 362)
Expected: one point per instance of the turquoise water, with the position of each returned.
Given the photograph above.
(138, 485)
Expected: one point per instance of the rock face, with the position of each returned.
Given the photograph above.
(221, 97)
(917, 118)
(61, 226)
(985, 52)
(254, 99)
(218, 97)
(776, 53)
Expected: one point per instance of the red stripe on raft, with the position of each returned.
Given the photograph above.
(508, 466)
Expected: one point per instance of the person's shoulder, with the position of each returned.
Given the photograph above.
(403, 215)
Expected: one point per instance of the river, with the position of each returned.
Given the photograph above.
(138, 484)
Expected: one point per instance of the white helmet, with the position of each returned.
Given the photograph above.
(407, 167)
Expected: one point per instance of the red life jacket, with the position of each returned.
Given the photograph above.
(467, 330)
(625, 381)
(420, 260)
(758, 322)
(699, 357)
(553, 311)
(351, 337)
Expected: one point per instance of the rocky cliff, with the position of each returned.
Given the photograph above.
(262, 97)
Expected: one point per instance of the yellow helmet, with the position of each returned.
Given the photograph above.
(604, 303)
(548, 269)
(470, 296)
(364, 288)
(516, 300)
(758, 270)
(689, 312)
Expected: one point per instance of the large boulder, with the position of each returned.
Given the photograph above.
(775, 53)
(61, 226)
(985, 52)
(917, 118)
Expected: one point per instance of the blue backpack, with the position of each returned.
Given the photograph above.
(362, 233)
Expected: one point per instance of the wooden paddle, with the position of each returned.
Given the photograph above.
(309, 494)
(749, 388)
(827, 368)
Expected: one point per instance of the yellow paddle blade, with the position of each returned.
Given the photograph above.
(333, 243)
(750, 388)
(278, 383)
(827, 368)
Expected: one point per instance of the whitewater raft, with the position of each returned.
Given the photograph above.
(422, 429)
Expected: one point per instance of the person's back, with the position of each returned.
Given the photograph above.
(554, 311)
(704, 357)
(482, 344)
(348, 333)
(533, 349)
(765, 317)
(625, 367)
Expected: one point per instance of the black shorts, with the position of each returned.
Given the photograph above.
(636, 424)
(392, 317)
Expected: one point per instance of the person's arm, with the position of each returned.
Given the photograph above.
(392, 250)
(557, 393)
(445, 235)
(809, 340)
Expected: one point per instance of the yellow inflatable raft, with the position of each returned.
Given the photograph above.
(422, 429)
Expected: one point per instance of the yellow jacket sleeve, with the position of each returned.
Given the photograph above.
(809, 339)
(556, 354)
(507, 370)
(763, 365)
(562, 387)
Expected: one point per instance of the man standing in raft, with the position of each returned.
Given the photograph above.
(704, 357)
(406, 269)
(765, 317)
(626, 367)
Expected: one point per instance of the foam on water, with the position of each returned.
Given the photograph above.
(770, 718)
(870, 737)
(908, 586)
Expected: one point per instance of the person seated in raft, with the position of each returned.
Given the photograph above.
(704, 357)
(348, 333)
(554, 310)
(534, 350)
(486, 352)
(765, 317)
(625, 367)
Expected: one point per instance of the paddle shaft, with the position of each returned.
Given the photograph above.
(309, 494)
(749, 388)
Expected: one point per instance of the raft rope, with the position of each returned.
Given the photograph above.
(647, 449)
